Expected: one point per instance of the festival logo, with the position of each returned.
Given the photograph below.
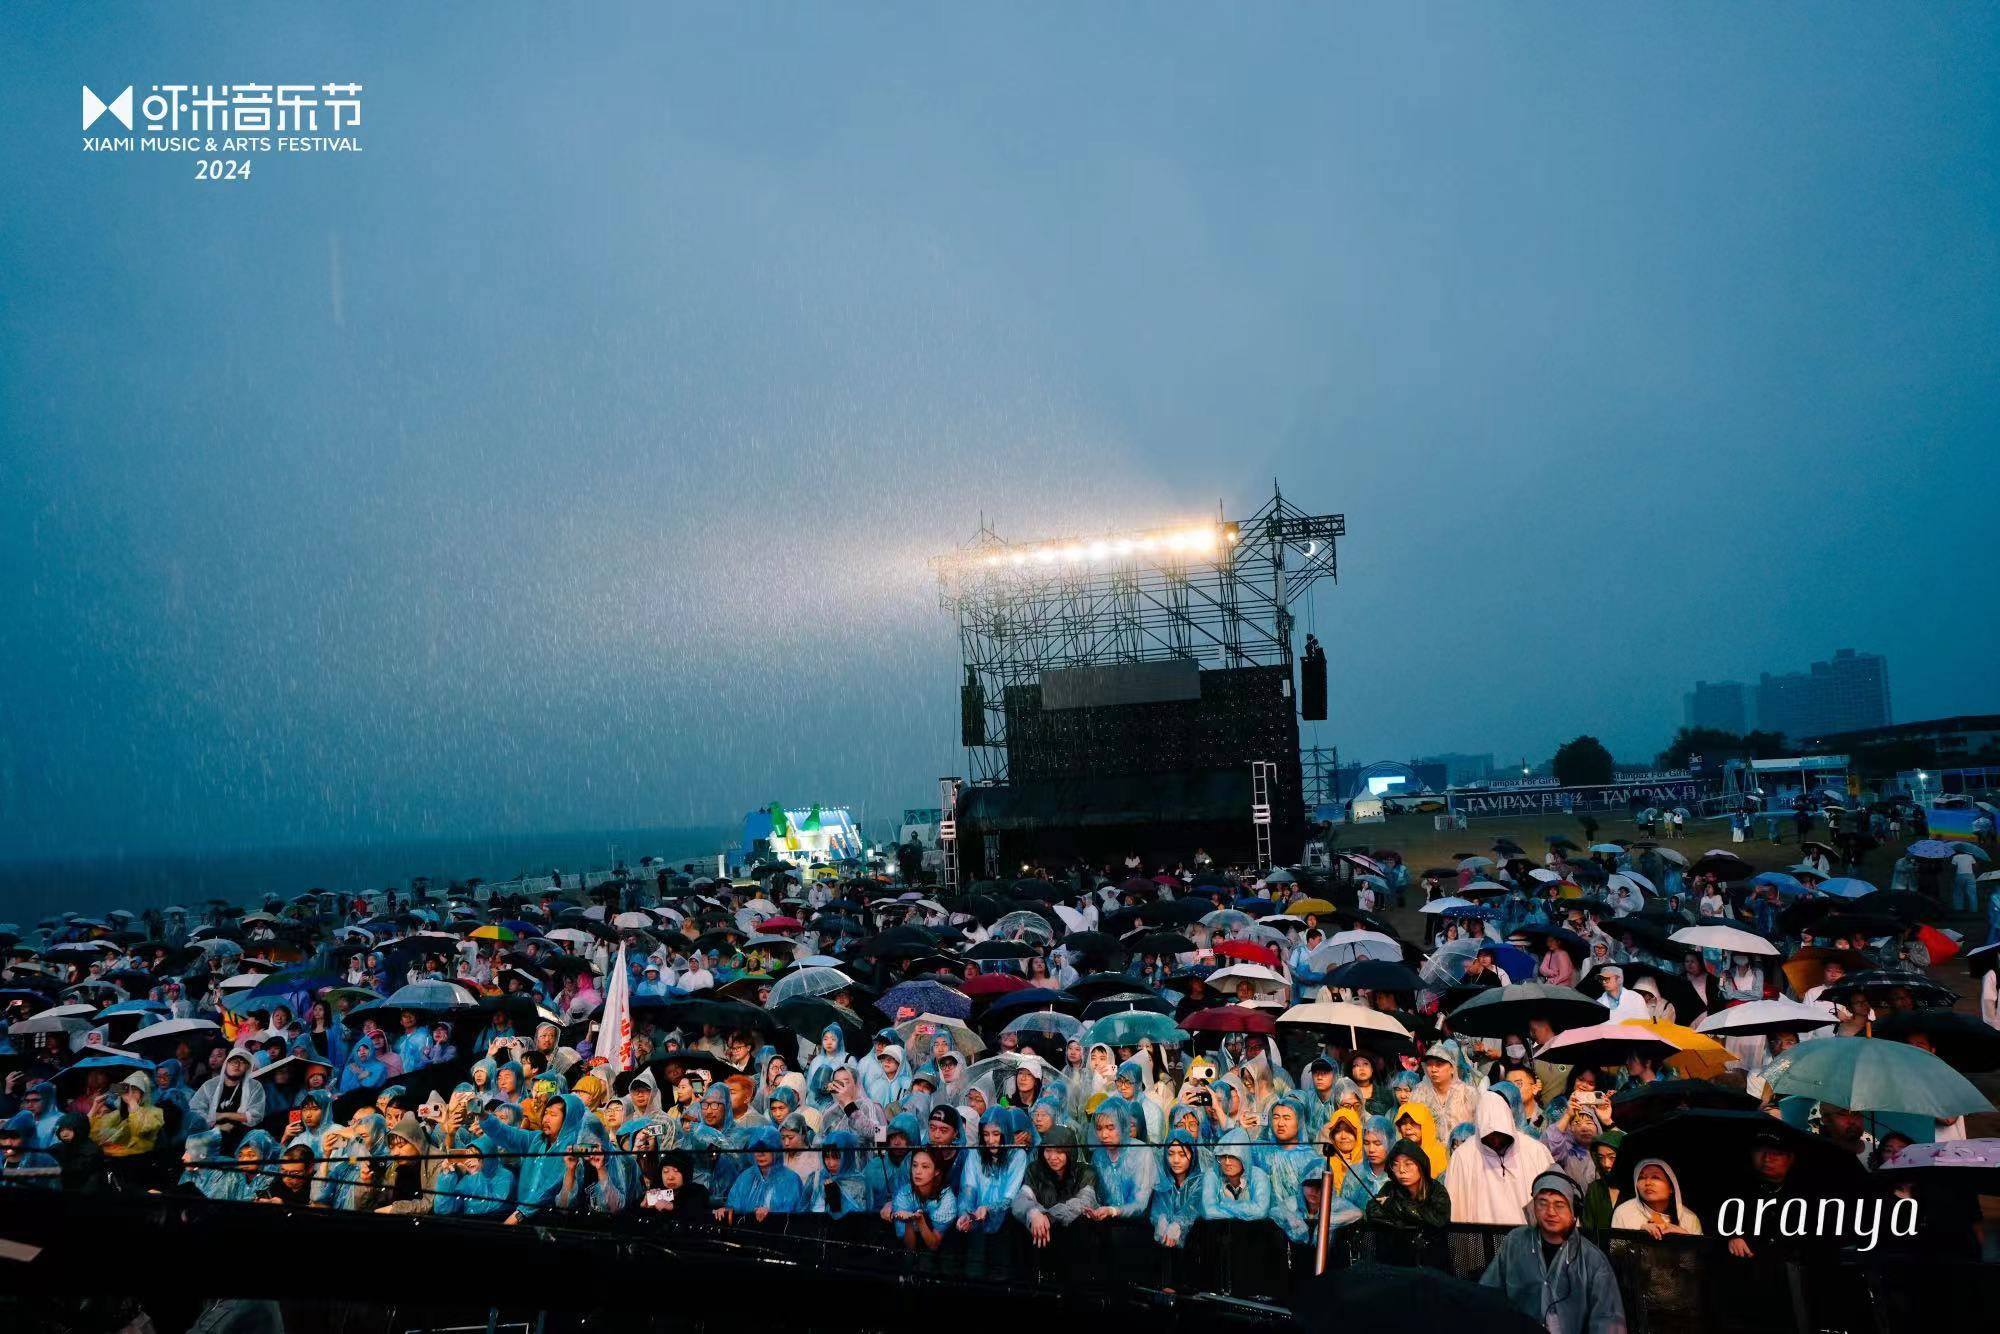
(220, 129)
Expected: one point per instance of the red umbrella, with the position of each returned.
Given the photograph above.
(781, 924)
(993, 984)
(1231, 1019)
(1941, 946)
(1249, 951)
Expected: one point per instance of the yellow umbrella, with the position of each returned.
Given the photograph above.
(1304, 906)
(499, 933)
(1569, 889)
(1696, 1055)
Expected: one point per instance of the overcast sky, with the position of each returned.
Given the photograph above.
(568, 458)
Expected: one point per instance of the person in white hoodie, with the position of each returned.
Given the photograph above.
(1491, 1179)
(1623, 1004)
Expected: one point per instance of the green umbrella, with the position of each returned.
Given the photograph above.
(1129, 1028)
(1872, 1075)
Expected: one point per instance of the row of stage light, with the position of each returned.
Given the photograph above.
(1163, 544)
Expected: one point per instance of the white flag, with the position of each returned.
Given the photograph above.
(614, 1031)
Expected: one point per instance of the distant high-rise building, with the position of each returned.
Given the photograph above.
(1462, 768)
(1845, 695)
(1716, 704)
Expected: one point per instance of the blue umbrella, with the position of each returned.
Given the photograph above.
(925, 997)
(1478, 910)
(1514, 961)
(132, 1007)
(1874, 1075)
(1846, 887)
(1932, 849)
(1786, 884)
(1131, 1027)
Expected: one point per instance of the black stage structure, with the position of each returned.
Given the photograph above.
(1135, 692)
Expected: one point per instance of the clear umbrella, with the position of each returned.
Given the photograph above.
(810, 982)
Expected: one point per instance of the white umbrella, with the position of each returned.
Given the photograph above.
(1726, 938)
(570, 935)
(1672, 856)
(173, 1028)
(1447, 903)
(240, 982)
(1072, 920)
(50, 1023)
(1347, 946)
(1767, 1016)
(1343, 1014)
(1255, 972)
(1633, 878)
(636, 920)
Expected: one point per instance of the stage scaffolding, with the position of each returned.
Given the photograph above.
(1218, 592)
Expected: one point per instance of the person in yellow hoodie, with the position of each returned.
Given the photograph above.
(1343, 1132)
(1413, 1122)
(125, 1124)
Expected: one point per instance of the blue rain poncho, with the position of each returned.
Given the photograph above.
(539, 1171)
(1149, 1119)
(1176, 1204)
(713, 1168)
(203, 1153)
(1125, 1175)
(941, 1210)
(362, 1070)
(613, 1191)
(486, 1193)
(829, 1061)
(992, 1176)
(1290, 1164)
(880, 1085)
(1363, 1182)
(33, 1162)
(844, 1183)
(775, 1188)
(1319, 1108)
(1251, 1196)
(887, 1171)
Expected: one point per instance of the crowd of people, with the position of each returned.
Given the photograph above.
(1240, 1069)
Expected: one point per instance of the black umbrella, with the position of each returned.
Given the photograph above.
(1965, 1043)
(1375, 975)
(1093, 943)
(1001, 949)
(1555, 937)
(1387, 1299)
(1647, 1103)
(1710, 1152)
(1161, 943)
(1725, 865)
(730, 1016)
(1016, 1003)
(1922, 989)
(1499, 1011)
(809, 1016)
(1101, 984)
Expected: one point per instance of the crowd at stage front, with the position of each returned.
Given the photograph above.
(1580, 1045)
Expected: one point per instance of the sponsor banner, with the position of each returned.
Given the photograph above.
(1561, 800)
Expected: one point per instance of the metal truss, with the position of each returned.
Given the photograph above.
(1219, 592)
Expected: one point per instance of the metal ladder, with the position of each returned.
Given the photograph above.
(1261, 774)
